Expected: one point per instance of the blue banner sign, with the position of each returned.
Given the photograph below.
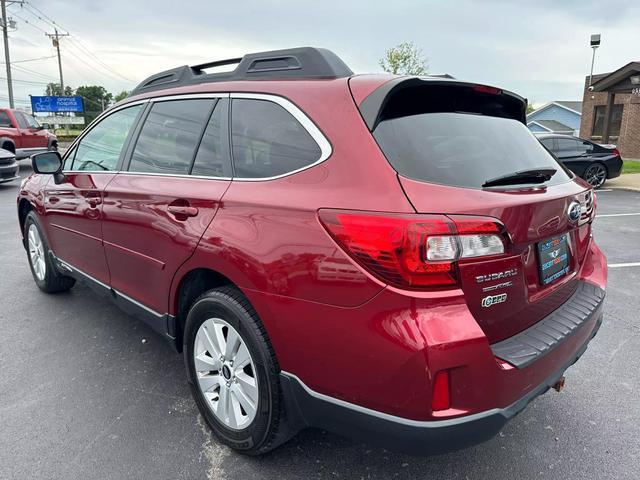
(57, 104)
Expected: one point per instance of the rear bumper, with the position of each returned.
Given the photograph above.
(306, 407)
(9, 172)
(614, 167)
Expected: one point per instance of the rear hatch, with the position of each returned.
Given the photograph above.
(456, 148)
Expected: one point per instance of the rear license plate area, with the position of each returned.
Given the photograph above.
(553, 255)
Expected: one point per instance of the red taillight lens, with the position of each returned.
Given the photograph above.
(487, 89)
(413, 251)
(441, 398)
(616, 152)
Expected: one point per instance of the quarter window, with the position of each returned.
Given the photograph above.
(169, 136)
(100, 149)
(212, 159)
(268, 141)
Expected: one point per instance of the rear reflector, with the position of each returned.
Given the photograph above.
(414, 251)
(441, 399)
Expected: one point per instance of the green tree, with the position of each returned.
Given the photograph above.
(404, 59)
(96, 99)
(121, 96)
(530, 108)
(53, 89)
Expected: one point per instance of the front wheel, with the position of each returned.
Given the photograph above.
(233, 372)
(595, 175)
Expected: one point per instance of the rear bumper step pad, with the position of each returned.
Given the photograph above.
(529, 345)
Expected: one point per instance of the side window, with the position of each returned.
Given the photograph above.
(31, 121)
(4, 120)
(22, 122)
(567, 145)
(268, 141)
(68, 159)
(548, 142)
(99, 150)
(213, 159)
(169, 136)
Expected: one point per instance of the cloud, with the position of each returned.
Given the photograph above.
(538, 49)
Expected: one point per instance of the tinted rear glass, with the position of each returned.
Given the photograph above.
(268, 141)
(461, 149)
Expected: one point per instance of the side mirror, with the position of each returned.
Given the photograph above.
(45, 126)
(48, 163)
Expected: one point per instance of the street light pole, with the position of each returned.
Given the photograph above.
(595, 43)
(7, 59)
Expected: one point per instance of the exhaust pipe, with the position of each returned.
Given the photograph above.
(559, 385)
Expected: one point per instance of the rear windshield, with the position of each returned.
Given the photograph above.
(461, 149)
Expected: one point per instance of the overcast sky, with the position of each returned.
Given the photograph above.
(538, 49)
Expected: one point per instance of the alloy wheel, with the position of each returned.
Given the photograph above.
(36, 252)
(226, 373)
(595, 175)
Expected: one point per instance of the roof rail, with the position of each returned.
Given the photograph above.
(293, 63)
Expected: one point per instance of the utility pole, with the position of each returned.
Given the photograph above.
(55, 39)
(5, 35)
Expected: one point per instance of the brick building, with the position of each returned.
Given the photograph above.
(611, 109)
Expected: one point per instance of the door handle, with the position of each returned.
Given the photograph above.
(182, 210)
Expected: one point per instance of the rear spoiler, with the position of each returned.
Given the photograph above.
(373, 106)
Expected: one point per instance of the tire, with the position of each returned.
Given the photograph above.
(45, 274)
(595, 175)
(226, 312)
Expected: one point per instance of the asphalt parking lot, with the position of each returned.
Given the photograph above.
(86, 392)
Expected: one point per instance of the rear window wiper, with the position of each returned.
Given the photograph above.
(532, 175)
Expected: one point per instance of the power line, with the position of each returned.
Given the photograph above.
(31, 59)
(30, 6)
(33, 25)
(32, 72)
(28, 82)
(80, 47)
(76, 40)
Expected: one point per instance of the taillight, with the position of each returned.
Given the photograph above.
(616, 152)
(487, 89)
(413, 251)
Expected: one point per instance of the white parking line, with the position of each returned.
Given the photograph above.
(618, 215)
(622, 265)
(605, 190)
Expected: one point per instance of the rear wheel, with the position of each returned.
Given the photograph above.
(595, 175)
(45, 274)
(232, 371)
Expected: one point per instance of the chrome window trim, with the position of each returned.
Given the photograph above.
(180, 175)
(325, 146)
(188, 96)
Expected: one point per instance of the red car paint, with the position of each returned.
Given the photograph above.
(351, 337)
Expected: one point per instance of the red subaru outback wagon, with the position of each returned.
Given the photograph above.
(392, 258)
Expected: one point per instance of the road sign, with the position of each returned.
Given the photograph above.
(60, 120)
(51, 104)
